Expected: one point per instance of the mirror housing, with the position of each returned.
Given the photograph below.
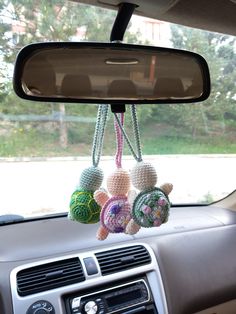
(110, 73)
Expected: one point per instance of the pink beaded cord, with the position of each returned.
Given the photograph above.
(119, 140)
(116, 209)
(138, 153)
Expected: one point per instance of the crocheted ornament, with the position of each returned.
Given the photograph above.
(143, 176)
(83, 207)
(116, 214)
(150, 208)
(116, 210)
(118, 183)
(91, 178)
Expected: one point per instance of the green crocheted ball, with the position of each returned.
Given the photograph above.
(151, 208)
(83, 207)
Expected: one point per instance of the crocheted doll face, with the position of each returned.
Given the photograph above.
(143, 176)
(118, 183)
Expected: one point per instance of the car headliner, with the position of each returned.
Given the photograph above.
(217, 16)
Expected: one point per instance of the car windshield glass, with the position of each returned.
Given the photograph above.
(45, 146)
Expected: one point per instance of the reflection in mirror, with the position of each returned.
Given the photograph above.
(74, 84)
(39, 77)
(108, 73)
(126, 86)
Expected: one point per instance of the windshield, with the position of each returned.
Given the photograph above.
(45, 146)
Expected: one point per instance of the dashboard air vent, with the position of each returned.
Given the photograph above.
(122, 259)
(49, 276)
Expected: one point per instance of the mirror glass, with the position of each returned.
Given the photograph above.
(105, 73)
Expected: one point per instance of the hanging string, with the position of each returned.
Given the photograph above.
(136, 132)
(119, 140)
(137, 156)
(99, 134)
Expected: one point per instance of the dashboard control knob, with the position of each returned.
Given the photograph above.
(91, 307)
(40, 311)
(41, 307)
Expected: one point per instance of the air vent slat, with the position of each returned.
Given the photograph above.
(49, 276)
(127, 250)
(118, 267)
(42, 279)
(114, 264)
(122, 259)
(117, 254)
(44, 275)
(107, 260)
(49, 269)
(39, 285)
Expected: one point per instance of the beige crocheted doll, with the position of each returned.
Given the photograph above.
(116, 210)
(151, 206)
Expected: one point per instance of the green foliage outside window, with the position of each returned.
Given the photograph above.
(207, 127)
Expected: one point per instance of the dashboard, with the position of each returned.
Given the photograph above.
(188, 265)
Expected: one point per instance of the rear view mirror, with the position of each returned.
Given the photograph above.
(110, 73)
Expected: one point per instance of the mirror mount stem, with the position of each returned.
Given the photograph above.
(123, 17)
(118, 108)
(121, 22)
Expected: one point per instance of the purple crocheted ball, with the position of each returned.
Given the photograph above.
(115, 214)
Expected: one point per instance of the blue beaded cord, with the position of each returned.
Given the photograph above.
(91, 178)
(99, 134)
(83, 207)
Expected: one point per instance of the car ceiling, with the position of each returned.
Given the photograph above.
(215, 15)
